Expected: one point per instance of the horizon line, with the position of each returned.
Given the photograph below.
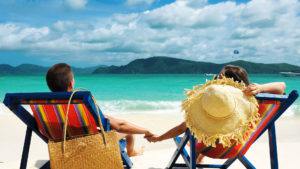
(46, 66)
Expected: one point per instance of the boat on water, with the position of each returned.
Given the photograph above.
(289, 74)
(210, 74)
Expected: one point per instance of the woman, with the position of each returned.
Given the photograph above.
(238, 74)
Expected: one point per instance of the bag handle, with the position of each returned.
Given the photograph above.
(66, 121)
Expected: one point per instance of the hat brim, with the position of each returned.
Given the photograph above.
(226, 131)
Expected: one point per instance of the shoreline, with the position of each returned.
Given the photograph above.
(132, 107)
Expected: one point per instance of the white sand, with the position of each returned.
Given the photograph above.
(157, 155)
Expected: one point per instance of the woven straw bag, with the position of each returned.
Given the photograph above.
(97, 151)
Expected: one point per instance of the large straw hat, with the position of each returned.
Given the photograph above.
(219, 112)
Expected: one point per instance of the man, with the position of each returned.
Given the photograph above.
(60, 78)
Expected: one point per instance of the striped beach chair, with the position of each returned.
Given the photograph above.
(271, 107)
(48, 115)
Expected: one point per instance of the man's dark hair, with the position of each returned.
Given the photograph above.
(58, 77)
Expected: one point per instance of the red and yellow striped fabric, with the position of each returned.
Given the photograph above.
(267, 110)
(53, 101)
(50, 119)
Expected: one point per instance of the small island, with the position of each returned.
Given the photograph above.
(168, 65)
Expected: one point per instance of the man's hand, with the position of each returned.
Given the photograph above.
(153, 138)
(253, 89)
(148, 134)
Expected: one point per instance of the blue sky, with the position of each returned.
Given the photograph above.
(96, 32)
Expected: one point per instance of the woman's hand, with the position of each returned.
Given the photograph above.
(148, 134)
(153, 138)
(253, 89)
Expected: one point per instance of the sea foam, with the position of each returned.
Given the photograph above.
(139, 106)
(147, 107)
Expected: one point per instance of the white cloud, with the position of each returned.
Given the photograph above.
(262, 30)
(14, 36)
(181, 14)
(244, 33)
(139, 2)
(69, 26)
(62, 25)
(76, 4)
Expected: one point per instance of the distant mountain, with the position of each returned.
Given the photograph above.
(155, 65)
(30, 69)
(88, 70)
(167, 65)
(6, 69)
(265, 68)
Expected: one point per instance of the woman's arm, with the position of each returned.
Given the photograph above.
(274, 88)
(177, 130)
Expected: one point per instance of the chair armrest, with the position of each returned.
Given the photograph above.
(107, 125)
(269, 96)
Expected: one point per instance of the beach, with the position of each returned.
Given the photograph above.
(156, 155)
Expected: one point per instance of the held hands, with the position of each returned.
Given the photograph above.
(253, 89)
(151, 137)
(148, 134)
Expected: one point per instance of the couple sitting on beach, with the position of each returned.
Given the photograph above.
(60, 78)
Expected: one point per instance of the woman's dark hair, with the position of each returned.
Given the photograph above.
(238, 74)
(58, 77)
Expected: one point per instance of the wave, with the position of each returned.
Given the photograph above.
(139, 106)
(128, 107)
(149, 107)
(157, 107)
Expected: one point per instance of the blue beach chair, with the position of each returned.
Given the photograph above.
(271, 107)
(83, 100)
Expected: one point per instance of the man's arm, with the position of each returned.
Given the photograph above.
(126, 127)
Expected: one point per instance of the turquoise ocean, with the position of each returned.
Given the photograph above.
(137, 93)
